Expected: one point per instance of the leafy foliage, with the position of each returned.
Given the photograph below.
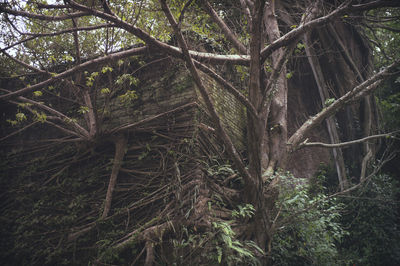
(371, 217)
(218, 246)
(310, 229)
(230, 251)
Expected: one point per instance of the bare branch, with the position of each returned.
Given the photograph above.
(330, 121)
(22, 63)
(18, 131)
(42, 17)
(387, 28)
(275, 75)
(65, 119)
(375, 4)
(76, 41)
(347, 143)
(40, 5)
(344, 7)
(50, 34)
(67, 131)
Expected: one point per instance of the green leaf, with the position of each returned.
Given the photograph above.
(290, 201)
(128, 97)
(300, 46)
(68, 58)
(83, 109)
(329, 101)
(12, 122)
(219, 252)
(105, 91)
(20, 117)
(40, 117)
(37, 93)
(106, 69)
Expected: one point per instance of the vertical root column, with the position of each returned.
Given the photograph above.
(120, 151)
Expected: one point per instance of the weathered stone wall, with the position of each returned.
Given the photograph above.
(168, 86)
(231, 111)
(161, 89)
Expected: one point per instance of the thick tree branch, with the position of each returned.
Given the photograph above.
(166, 48)
(209, 103)
(354, 94)
(342, 9)
(295, 33)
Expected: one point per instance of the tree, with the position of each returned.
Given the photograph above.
(258, 36)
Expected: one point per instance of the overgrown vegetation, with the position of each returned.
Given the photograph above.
(309, 231)
(371, 218)
(161, 132)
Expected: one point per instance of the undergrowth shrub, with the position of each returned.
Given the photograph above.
(371, 217)
(308, 225)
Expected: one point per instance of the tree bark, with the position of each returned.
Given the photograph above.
(278, 114)
(120, 150)
(254, 189)
(330, 121)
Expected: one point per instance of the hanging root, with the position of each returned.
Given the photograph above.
(120, 151)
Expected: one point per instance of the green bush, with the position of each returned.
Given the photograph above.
(308, 230)
(372, 218)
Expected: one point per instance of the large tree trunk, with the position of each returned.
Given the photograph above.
(277, 122)
(255, 133)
